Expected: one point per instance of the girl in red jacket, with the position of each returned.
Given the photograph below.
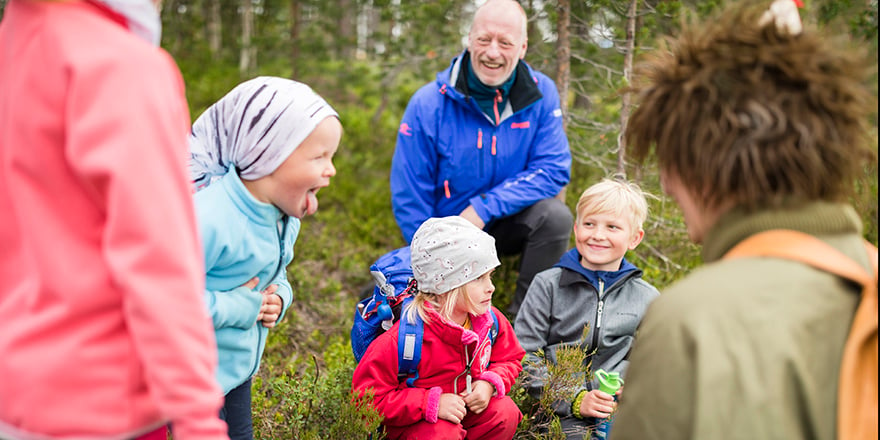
(463, 377)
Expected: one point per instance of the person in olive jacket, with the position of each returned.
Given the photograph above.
(763, 127)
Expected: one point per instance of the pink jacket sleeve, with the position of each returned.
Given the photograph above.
(150, 236)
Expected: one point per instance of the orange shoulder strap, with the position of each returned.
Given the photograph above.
(857, 394)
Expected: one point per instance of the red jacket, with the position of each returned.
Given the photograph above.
(446, 350)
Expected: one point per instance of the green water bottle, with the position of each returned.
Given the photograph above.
(609, 383)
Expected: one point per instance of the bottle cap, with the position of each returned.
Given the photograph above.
(609, 382)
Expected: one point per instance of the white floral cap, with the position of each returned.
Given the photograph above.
(784, 14)
(449, 252)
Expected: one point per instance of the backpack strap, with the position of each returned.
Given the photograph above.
(493, 332)
(857, 400)
(409, 348)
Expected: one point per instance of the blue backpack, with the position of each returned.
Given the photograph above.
(395, 288)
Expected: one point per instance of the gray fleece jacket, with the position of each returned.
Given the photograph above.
(569, 305)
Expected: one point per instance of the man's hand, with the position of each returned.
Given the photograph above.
(470, 214)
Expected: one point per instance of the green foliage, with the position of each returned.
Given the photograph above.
(307, 403)
(865, 201)
(504, 280)
(858, 18)
(564, 379)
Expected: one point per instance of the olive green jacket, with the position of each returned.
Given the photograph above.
(747, 348)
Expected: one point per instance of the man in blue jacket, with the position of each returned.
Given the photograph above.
(485, 141)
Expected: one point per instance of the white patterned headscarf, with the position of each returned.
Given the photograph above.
(254, 128)
(141, 16)
(449, 252)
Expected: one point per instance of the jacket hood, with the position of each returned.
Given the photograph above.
(571, 260)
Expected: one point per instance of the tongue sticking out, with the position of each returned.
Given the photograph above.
(311, 203)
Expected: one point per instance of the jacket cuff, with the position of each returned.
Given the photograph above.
(493, 378)
(576, 404)
(285, 292)
(432, 409)
(238, 308)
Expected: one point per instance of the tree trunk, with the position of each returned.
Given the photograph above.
(627, 79)
(295, 22)
(172, 33)
(563, 63)
(532, 26)
(345, 41)
(563, 56)
(246, 60)
(214, 28)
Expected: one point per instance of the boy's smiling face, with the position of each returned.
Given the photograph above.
(294, 185)
(602, 240)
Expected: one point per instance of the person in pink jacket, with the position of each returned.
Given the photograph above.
(463, 377)
(105, 334)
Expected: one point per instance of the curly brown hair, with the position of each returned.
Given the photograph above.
(751, 116)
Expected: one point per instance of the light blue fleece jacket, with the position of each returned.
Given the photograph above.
(242, 238)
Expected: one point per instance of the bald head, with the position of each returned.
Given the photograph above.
(507, 10)
(497, 40)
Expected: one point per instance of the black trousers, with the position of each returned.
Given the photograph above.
(236, 412)
(540, 234)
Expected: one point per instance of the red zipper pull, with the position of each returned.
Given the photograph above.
(497, 101)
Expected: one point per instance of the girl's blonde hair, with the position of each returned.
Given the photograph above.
(442, 303)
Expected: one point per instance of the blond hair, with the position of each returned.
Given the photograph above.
(442, 303)
(617, 197)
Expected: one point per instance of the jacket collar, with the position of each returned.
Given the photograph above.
(814, 218)
(578, 273)
(454, 334)
(523, 92)
(255, 210)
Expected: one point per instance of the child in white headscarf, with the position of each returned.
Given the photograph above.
(258, 158)
(463, 376)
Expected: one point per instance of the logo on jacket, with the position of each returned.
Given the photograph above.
(405, 130)
(485, 352)
(520, 124)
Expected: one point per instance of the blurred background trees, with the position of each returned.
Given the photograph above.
(369, 56)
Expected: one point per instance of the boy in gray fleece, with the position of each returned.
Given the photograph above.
(592, 287)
